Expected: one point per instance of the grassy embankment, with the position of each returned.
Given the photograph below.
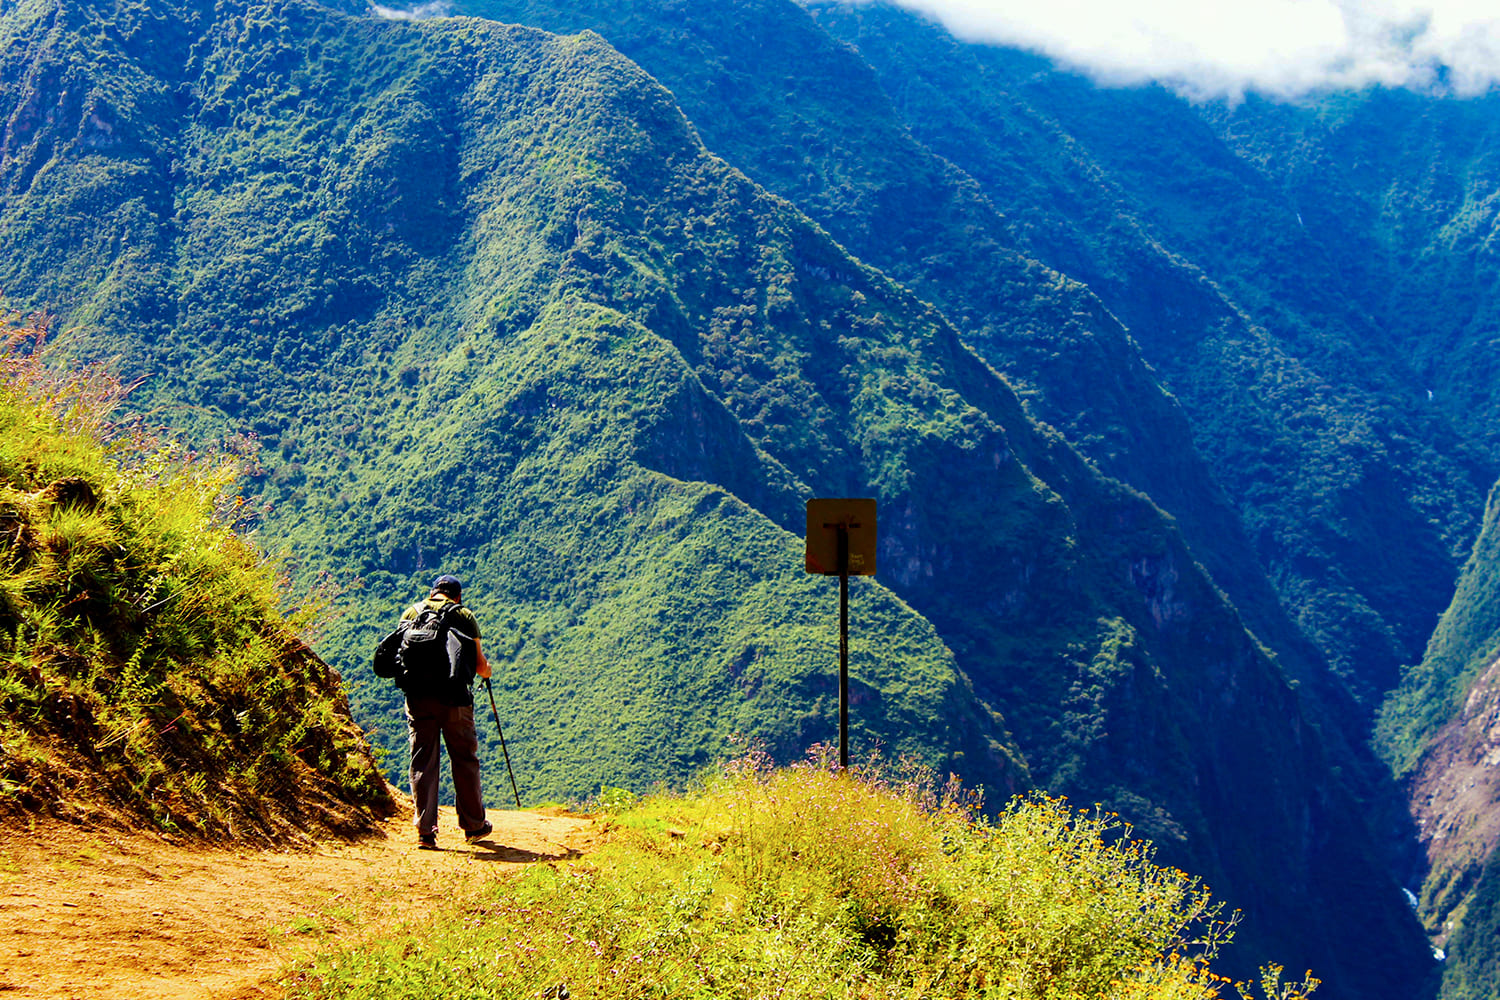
(807, 882)
(147, 671)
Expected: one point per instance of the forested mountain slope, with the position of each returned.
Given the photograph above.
(1359, 497)
(488, 304)
(1361, 569)
(955, 168)
(806, 117)
(1346, 401)
(1399, 192)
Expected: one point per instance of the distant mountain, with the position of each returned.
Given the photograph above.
(490, 304)
(1247, 290)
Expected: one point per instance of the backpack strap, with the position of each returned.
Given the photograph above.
(450, 606)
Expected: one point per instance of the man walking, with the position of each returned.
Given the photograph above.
(440, 709)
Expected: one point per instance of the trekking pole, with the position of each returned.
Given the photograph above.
(501, 731)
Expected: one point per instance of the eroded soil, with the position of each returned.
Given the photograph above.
(131, 916)
(1454, 794)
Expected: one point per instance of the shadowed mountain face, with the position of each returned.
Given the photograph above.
(489, 305)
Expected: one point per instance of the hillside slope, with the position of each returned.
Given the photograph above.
(490, 305)
(956, 168)
(867, 139)
(804, 116)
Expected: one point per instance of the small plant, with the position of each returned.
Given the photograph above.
(614, 800)
(1272, 988)
(305, 925)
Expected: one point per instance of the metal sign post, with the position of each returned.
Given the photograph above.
(841, 541)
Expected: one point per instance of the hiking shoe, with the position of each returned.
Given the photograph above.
(427, 842)
(481, 833)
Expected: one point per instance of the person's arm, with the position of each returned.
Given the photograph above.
(483, 665)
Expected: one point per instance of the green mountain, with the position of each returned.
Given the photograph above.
(491, 304)
(807, 118)
(1311, 281)
(1264, 480)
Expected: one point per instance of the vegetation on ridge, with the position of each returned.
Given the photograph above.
(811, 882)
(956, 169)
(146, 669)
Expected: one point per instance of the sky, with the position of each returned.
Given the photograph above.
(1226, 48)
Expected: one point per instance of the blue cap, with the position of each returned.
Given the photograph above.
(448, 585)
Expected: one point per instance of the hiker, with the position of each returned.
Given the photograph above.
(439, 705)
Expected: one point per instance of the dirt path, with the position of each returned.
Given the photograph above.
(130, 916)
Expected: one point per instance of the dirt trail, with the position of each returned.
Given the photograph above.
(130, 916)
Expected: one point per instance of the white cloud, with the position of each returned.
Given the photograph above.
(422, 11)
(1227, 47)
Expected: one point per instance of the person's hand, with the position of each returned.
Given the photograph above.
(484, 665)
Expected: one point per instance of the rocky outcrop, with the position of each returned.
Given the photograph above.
(1455, 792)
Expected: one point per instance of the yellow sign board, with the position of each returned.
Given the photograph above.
(827, 520)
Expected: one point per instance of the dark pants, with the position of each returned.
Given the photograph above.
(430, 723)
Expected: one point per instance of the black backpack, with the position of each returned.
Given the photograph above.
(425, 655)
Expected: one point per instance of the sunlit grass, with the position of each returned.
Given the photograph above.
(810, 882)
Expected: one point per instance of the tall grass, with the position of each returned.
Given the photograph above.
(146, 666)
(811, 882)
